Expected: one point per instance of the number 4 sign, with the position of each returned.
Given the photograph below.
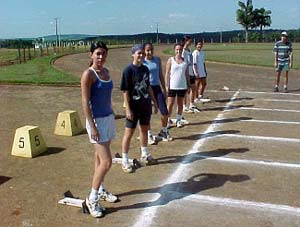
(28, 142)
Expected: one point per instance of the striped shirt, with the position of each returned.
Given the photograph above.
(283, 51)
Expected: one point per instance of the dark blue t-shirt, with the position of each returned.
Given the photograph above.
(136, 81)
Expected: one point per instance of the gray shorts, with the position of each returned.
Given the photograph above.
(106, 129)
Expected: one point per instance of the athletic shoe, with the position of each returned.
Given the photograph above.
(165, 136)
(285, 90)
(107, 196)
(148, 160)
(197, 100)
(203, 100)
(195, 109)
(179, 124)
(94, 208)
(185, 109)
(276, 89)
(151, 139)
(127, 168)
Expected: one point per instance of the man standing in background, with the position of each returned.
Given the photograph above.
(283, 60)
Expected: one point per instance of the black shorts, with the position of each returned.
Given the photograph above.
(175, 92)
(141, 113)
(192, 79)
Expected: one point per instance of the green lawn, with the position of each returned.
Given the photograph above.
(36, 71)
(259, 54)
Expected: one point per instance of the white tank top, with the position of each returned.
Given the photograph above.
(177, 75)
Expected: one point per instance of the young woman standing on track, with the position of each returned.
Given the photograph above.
(189, 106)
(199, 71)
(177, 82)
(157, 84)
(96, 88)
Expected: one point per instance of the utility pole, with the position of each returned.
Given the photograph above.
(157, 39)
(56, 32)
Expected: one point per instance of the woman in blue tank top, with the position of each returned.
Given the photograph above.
(96, 89)
(157, 83)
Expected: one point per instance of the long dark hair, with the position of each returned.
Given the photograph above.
(185, 39)
(95, 46)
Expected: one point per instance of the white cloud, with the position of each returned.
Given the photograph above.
(178, 15)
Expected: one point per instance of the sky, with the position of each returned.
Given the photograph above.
(35, 18)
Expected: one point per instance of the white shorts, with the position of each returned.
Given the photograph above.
(106, 128)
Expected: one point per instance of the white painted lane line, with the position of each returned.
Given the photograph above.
(251, 162)
(279, 139)
(146, 217)
(273, 122)
(255, 92)
(262, 109)
(269, 93)
(280, 100)
(243, 204)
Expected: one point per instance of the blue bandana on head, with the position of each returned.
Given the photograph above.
(136, 47)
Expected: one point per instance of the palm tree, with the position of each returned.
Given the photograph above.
(244, 16)
(262, 18)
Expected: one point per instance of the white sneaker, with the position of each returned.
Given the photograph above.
(188, 110)
(94, 208)
(196, 110)
(151, 139)
(203, 100)
(127, 168)
(107, 196)
(185, 109)
(197, 100)
(148, 160)
(179, 124)
(165, 136)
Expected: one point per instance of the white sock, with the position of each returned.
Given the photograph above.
(276, 86)
(284, 86)
(149, 132)
(164, 129)
(93, 195)
(124, 158)
(144, 151)
(178, 117)
(101, 188)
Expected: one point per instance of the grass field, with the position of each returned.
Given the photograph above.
(258, 54)
(8, 54)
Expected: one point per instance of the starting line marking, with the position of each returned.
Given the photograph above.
(244, 204)
(263, 109)
(251, 162)
(273, 122)
(280, 139)
(255, 92)
(280, 100)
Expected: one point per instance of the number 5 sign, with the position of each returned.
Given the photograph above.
(28, 142)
